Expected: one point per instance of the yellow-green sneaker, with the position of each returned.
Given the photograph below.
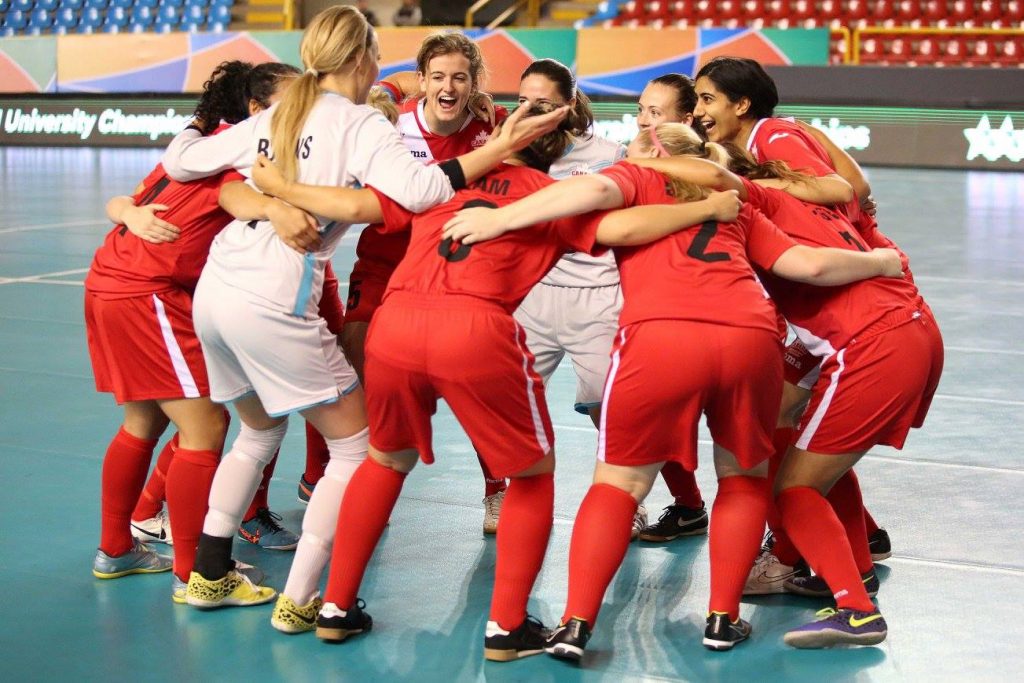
(291, 617)
(235, 589)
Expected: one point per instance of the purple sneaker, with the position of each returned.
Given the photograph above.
(839, 627)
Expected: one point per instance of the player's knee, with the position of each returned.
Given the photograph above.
(351, 448)
(258, 445)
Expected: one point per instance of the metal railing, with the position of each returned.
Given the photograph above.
(532, 12)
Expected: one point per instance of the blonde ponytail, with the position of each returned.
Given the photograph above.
(336, 37)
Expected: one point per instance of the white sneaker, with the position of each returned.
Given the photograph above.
(492, 510)
(639, 522)
(154, 530)
(768, 575)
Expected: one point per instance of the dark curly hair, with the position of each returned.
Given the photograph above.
(263, 79)
(223, 97)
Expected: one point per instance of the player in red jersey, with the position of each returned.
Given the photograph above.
(737, 100)
(144, 349)
(725, 328)
(438, 121)
(444, 304)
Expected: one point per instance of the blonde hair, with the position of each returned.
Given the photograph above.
(440, 44)
(742, 163)
(380, 99)
(679, 139)
(336, 37)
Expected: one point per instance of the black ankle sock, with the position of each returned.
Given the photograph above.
(213, 557)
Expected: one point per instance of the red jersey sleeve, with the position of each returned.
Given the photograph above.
(795, 151)
(628, 178)
(396, 217)
(579, 233)
(765, 241)
(762, 198)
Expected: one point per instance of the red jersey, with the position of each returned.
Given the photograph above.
(827, 318)
(785, 140)
(380, 253)
(502, 270)
(702, 275)
(127, 265)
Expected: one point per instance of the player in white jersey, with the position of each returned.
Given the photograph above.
(266, 348)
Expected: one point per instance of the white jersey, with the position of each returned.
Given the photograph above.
(585, 156)
(341, 145)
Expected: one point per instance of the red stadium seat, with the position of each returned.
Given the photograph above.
(935, 12)
(961, 13)
(908, 13)
(855, 14)
(870, 52)
(778, 13)
(927, 51)
(1014, 13)
(883, 13)
(683, 13)
(898, 50)
(953, 52)
(804, 13)
(1011, 52)
(987, 11)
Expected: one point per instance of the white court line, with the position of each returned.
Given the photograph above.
(972, 281)
(48, 226)
(978, 399)
(954, 564)
(45, 277)
(972, 349)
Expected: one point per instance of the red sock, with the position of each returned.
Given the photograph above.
(737, 520)
(523, 531)
(783, 548)
(152, 499)
(846, 500)
(492, 484)
(124, 474)
(600, 537)
(814, 528)
(259, 500)
(188, 496)
(365, 510)
(682, 484)
(870, 525)
(317, 455)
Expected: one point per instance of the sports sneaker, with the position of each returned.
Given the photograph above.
(179, 588)
(335, 625)
(569, 640)
(263, 530)
(722, 634)
(492, 510)
(639, 522)
(235, 589)
(141, 559)
(880, 546)
(153, 530)
(815, 586)
(768, 575)
(677, 521)
(529, 638)
(305, 490)
(839, 627)
(291, 617)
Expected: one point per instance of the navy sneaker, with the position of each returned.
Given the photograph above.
(839, 627)
(569, 640)
(722, 634)
(676, 521)
(880, 546)
(815, 586)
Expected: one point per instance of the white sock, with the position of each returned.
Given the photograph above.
(238, 476)
(321, 518)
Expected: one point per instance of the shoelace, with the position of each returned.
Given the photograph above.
(494, 503)
(269, 519)
(826, 613)
(535, 622)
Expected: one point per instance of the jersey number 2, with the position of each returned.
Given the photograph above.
(444, 249)
(699, 247)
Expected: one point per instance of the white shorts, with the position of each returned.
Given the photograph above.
(580, 321)
(290, 362)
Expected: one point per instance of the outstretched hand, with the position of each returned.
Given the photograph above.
(519, 130)
(268, 178)
(142, 222)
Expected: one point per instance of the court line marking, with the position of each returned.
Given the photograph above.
(46, 276)
(974, 349)
(50, 226)
(964, 280)
(956, 564)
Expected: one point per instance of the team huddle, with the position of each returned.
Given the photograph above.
(670, 271)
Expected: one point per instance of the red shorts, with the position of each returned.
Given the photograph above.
(472, 354)
(800, 365)
(145, 348)
(365, 293)
(665, 373)
(875, 389)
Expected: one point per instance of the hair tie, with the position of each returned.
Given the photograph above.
(662, 152)
(703, 148)
(311, 70)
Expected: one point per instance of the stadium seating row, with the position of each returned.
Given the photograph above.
(915, 50)
(37, 17)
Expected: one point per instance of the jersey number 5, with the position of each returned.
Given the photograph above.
(444, 249)
(699, 247)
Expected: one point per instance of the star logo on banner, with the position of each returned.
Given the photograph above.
(993, 143)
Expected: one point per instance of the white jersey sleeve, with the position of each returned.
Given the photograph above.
(191, 155)
(575, 269)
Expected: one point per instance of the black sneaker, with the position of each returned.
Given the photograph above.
(526, 640)
(880, 546)
(722, 634)
(335, 625)
(569, 640)
(677, 521)
(815, 586)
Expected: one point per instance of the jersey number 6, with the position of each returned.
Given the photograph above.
(444, 249)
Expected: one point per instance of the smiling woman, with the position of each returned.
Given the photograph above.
(450, 68)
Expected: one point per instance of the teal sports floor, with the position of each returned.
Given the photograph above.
(953, 500)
